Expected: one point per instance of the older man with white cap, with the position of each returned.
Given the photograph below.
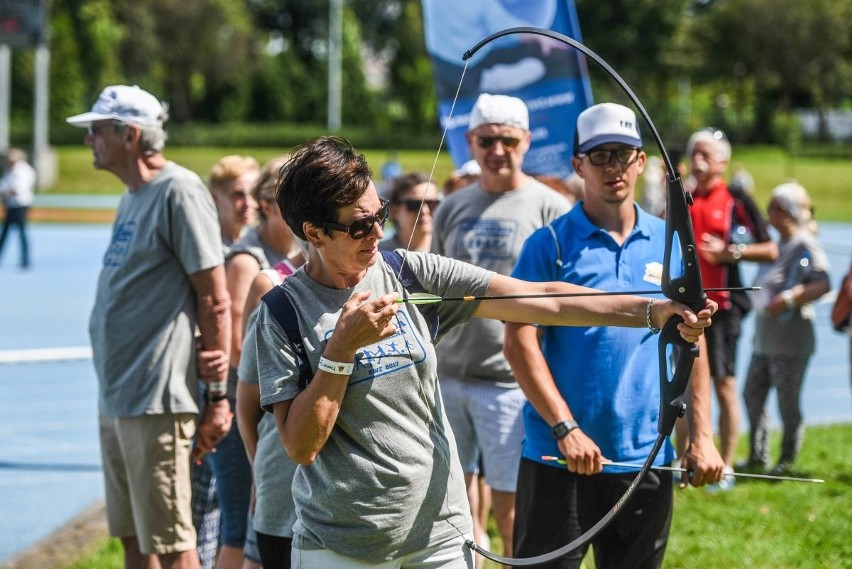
(162, 277)
(593, 395)
(486, 224)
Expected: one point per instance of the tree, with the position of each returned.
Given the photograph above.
(798, 55)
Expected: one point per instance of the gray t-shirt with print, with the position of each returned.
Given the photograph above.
(488, 230)
(388, 481)
(801, 259)
(144, 318)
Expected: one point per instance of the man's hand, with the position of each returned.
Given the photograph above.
(214, 425)
(703, 463)
(693, 324)
(581, 453)
(212, 364)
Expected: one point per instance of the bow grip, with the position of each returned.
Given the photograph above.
(673, 380)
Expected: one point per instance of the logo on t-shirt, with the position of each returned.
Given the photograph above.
(119, 246)
(653, 273)
(398, 352)
(486, 240)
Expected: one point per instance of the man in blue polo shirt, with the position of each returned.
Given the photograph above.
(594, 392)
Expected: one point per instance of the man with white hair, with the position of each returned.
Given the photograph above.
(728, 229)
(163, 276)
(486, 224)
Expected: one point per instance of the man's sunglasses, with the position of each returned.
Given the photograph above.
(624, 156)
(506, 141)
(414, 205)
(95, 129)
(363, 226)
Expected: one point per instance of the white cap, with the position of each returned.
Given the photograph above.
(606, 122)
(127, 104)
(469, 168)
(793, 199)
(499, 109)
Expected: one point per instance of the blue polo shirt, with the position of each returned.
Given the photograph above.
(609, 376)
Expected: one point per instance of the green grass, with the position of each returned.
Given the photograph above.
(77, 176)
(758, 525)
(827, 179)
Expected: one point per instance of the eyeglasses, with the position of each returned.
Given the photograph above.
(414, 205)
(506, 141)
(624, 156)
(363, 226)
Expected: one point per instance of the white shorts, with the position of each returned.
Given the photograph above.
(488, 423)
(451, 554)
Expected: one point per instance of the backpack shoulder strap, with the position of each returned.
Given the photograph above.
(556, 244)
(285, 314)
(411, 285)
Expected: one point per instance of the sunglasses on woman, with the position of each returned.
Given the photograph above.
(414, 205)
(489, 141)
(363, 226)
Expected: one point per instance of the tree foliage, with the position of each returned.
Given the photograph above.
(267, 60)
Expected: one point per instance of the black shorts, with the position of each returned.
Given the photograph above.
(722, 337)
(554, 507)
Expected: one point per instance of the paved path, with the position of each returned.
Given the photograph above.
(49, 459)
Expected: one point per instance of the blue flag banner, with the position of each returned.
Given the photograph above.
(551, 77)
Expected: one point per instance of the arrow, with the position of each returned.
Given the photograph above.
(676, 469)
(426, 298)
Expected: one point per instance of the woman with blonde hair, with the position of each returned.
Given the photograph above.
(784, 338)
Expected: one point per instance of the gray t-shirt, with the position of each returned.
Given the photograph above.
(251, 244)
(388, 481)
(144, 319)
(801, 259)
(274, 512)
(488, 230)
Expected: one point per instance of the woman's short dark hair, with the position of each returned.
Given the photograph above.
(322, 176)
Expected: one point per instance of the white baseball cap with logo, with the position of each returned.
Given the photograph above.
(124, 103)
(499, 109)
(605, 123)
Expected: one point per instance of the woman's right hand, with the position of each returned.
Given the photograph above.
(362, 322)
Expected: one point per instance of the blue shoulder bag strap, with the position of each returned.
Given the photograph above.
(411, 285)
(282, 310)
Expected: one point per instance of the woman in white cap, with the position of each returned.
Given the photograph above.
(784, 331)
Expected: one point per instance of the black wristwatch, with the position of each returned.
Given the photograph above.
(561, 429)
(215, 397)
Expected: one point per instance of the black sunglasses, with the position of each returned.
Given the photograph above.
(363, 226)
(624, 156)
(414, 205)
(506, 141)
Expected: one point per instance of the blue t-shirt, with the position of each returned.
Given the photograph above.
(609, 376)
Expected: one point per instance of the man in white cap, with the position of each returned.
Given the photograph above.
(162, 276)
(593, 393)
(486, 224)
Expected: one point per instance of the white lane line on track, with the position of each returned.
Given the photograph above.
(42, 355)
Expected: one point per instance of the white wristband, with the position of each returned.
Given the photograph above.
(217, 386)
(789, 298)
(337, 368)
